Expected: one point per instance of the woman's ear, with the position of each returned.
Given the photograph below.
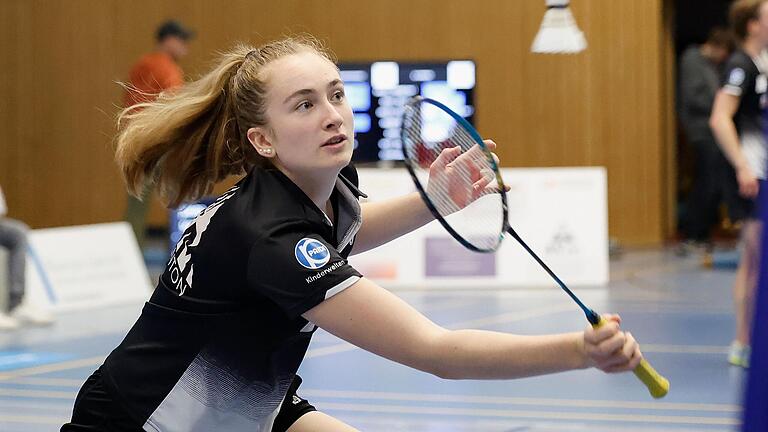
(260, 140)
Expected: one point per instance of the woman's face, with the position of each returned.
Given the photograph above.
(309, 122)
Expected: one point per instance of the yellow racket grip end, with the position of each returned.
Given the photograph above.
(657, 385)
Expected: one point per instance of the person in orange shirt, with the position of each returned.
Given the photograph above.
(152, 74)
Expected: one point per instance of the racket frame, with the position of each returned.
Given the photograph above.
(416, 102)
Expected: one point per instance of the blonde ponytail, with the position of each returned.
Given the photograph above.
(186, 141)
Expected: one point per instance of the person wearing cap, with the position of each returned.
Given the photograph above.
(158, 70)
(152, 74)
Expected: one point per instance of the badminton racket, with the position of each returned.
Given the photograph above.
(458, 178)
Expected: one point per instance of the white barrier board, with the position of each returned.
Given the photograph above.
(85, 266)
(561, 213)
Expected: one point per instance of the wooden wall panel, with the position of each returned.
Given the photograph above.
(669, 117)
(606, 106)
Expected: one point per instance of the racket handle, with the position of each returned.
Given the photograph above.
(657, 385)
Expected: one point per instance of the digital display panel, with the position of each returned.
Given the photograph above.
(377, 92)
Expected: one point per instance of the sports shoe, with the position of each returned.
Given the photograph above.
(8, 322)
(27, 314)
(739, 355)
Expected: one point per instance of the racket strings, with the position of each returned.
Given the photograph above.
(462, 185)
(443, 190)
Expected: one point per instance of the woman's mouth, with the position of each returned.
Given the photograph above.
(335, 140)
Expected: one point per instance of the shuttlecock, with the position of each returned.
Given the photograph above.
(558, 33)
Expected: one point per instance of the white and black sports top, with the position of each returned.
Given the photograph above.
(743, 78)
(219, 341)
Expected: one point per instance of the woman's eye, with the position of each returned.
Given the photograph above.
(304, 106)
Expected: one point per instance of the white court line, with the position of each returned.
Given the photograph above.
(333, 349)
(659, 269)
(345, 346)
(509, 317)
(419, 397)
(415, 424)
(36, 419)
(690, 309)
(580, 403)
(316, 352)
(464, 412)
(444, 305)
(413, 397)
(46, 394)
(477, 425)
(49, 382)
(54, 367)
(37, 405)
(473, 323)
(513, 414)
(684, 349)
(323, 336)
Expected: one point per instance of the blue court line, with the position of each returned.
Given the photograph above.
(43, 275)
(10, 360)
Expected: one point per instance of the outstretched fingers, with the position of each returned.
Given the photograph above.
(445, 157)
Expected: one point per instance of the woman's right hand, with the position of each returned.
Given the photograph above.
(748, 185)
(609, 349)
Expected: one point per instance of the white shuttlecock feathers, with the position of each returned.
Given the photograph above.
(558, 33)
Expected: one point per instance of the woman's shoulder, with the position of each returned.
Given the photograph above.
(740, 59)
(265, 207)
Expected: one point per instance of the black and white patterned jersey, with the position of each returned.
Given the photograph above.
(221, 338)
(744, 79)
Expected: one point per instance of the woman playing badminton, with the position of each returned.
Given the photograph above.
(737, 122)
(218, 344)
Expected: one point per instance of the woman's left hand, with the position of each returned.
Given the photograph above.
(457, 179)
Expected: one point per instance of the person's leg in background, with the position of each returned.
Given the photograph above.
(744, 290)
(704, 197)
(13, 238)
(748, 273)
(729, 189)
(136, 214)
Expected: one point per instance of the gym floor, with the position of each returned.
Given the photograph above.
(679, 311)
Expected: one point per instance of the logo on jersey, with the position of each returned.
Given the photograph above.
(761, 86)
(736, 77)
(180, 267)
(311, 253)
